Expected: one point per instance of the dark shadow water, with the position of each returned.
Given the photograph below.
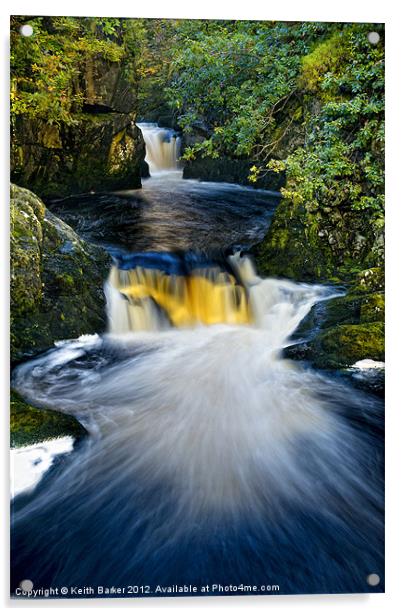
(171, 214)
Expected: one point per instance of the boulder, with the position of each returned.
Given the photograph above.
(56, 279)
(30, 425)
(342, 331)
(344, 345)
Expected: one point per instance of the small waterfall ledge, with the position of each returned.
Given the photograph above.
(163, 147)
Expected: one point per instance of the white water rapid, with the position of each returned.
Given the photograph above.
(214, 411)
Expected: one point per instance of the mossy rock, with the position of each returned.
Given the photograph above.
(30, 425)
(100, 151)
(56, 279)
(344, 345)
(224, 169)
(327, 244)
(372, 308)
(342, 310)
(341, 331)
(26, 217)
(369, 280)
(330, 246)
(353, 309)
(288, 251)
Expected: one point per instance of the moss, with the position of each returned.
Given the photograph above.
(49, 137)
(344, 345)
(353, 309)
(21, 196)
(305, 243)
(326, 57)
(26, 242)
(372, 307)
(342, 310)
(65, 281)
(121, 151)
(292, 247)
(54, 273)
(369, 280)
(29, 424)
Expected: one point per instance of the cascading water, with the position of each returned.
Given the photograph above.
(211, 458)
(162, 147)
(148, 298)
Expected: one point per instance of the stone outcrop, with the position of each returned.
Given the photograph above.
(335, 246)
(346, 329)
(101, 150)
(30, 425)
(226, 169)
(320, 245)
(56, 279)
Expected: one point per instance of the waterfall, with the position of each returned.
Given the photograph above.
(184, 291)
(208, 450)
(148, 298)
(162, 147)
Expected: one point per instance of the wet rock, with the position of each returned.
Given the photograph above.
(106, 88)
(56, 279)
(331, 245)
(341, 331)
(103, 151)
(371, 380)
(309, 245)
(344, 345)
(225, 169)
(30, 425)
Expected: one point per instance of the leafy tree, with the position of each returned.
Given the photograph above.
(252, 85)
(342, 161)
(47, 67)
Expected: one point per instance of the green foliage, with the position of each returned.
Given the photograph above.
(341, 164)
(47, 68)
(158, 40)
(304, 98)
(232, 77)
(258, 88)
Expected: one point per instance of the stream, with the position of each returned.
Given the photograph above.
(210, 459)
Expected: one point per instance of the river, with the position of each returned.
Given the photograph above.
(211, 458)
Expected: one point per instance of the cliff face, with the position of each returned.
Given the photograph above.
(332, 243)
(56, 279)
(101, 150)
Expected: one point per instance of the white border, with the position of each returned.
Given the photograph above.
(291, 10)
